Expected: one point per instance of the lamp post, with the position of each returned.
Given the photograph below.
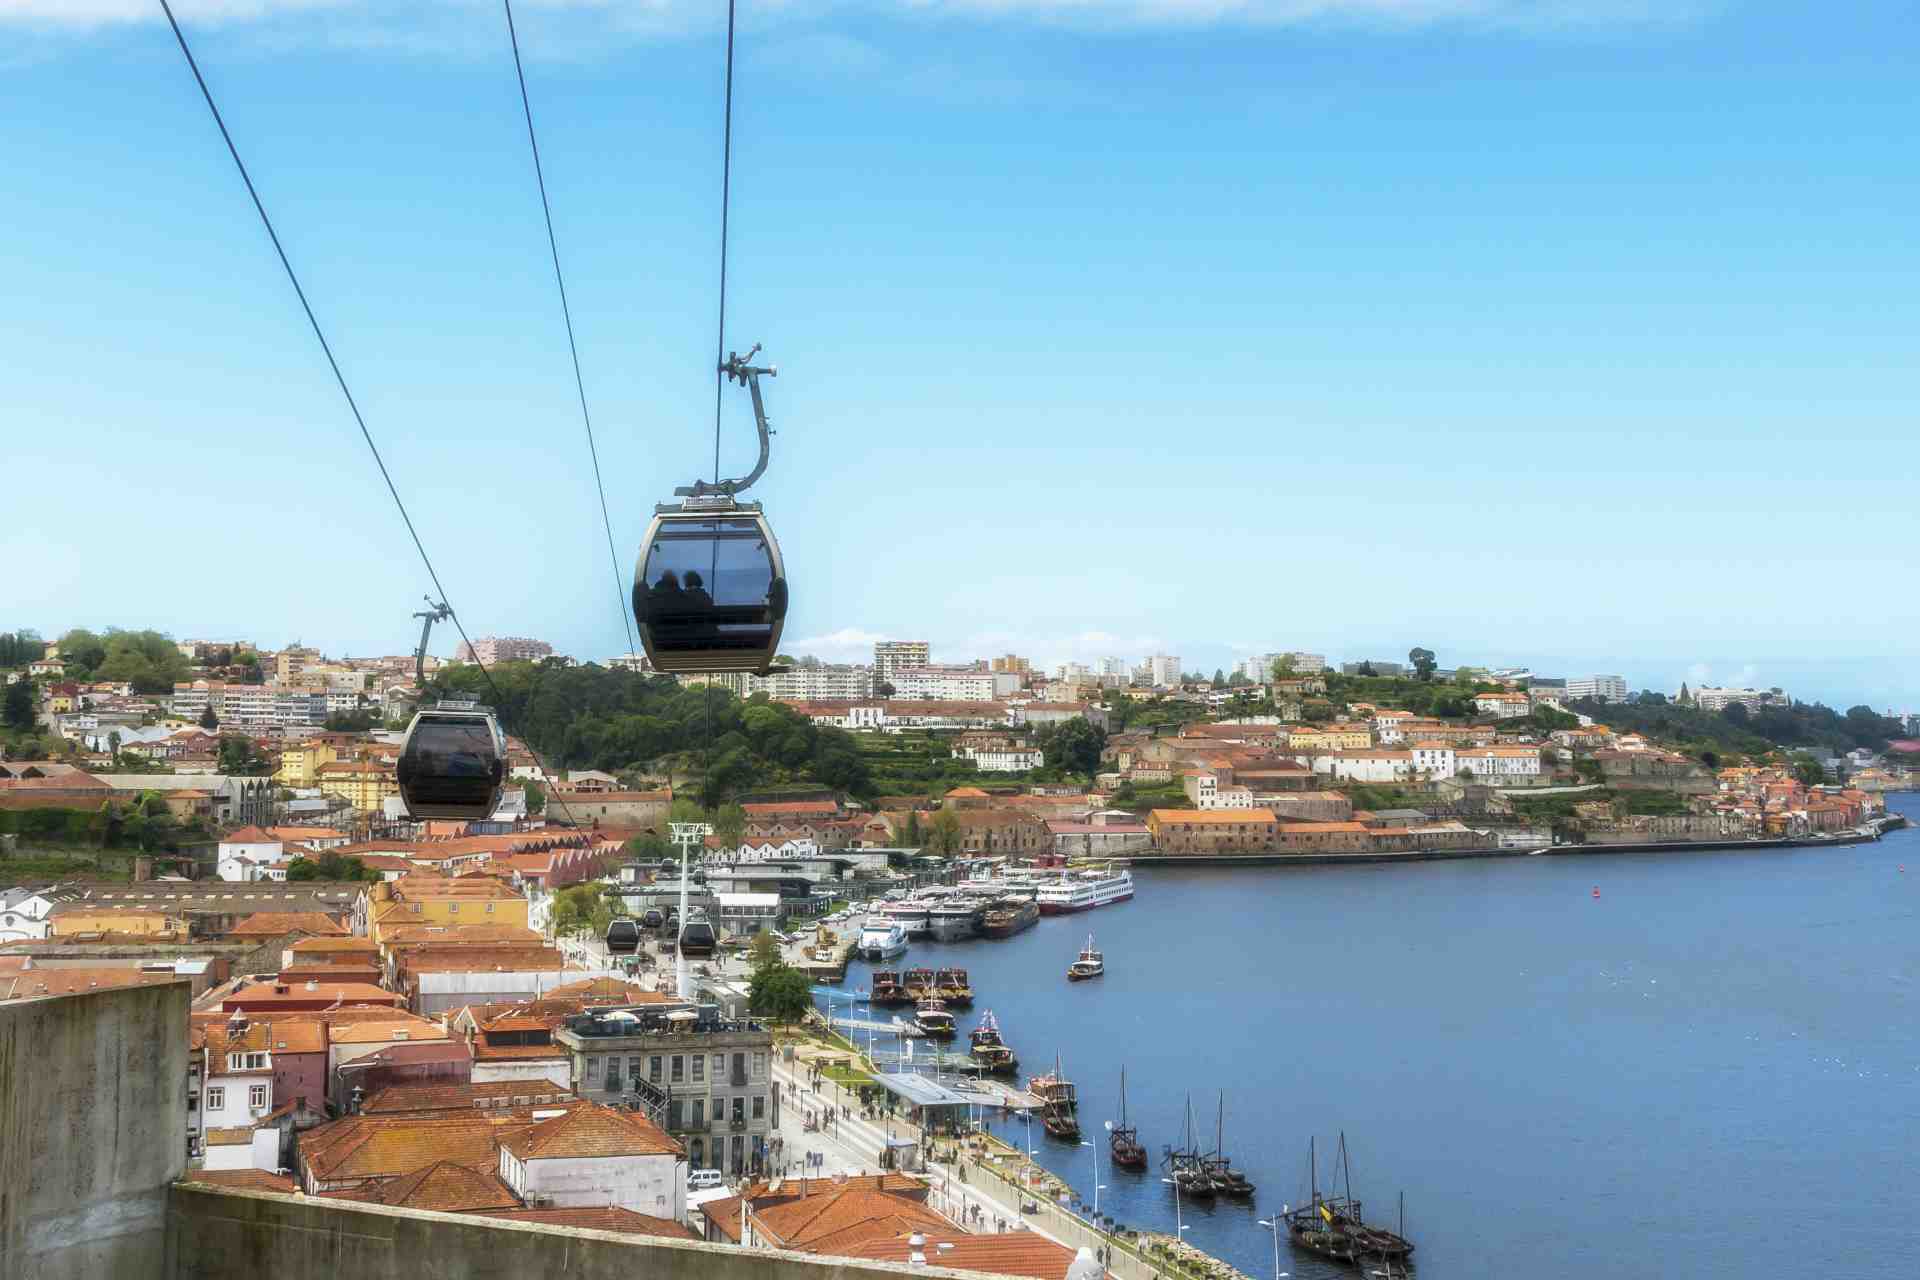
(1179, 1223)
(1097, 1188)
(1273, 1224)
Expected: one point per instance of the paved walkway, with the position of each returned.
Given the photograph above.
(985, 1202)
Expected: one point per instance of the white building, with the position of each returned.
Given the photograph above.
(638, 663)
(1496, 764)
(1605, 688)
(1502, 706)
(1204, 789)
(851, 682)
(1003, 759)
(23, 914)
(1371, 765)
(591, 1156)
(246, 854)
(488, 650)
(1712, 699)
(890, 656)
(953, 684)
(1307, 664)
(1163, 670)
(1433, 760)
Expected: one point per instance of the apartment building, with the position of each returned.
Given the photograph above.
(890, 656)
(706, 1080)
(952, 683)
(488, 650)
(851, 682)
(1605, 688)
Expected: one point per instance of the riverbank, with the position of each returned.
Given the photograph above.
(1882, 826)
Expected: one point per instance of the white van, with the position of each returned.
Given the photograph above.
(705, 1180)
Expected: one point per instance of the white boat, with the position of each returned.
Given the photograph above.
(1091, 963)
(1085, 890)
(913, 915)
(882, 939)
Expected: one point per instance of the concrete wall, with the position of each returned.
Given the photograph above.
(93, 1118)
(221, 1234)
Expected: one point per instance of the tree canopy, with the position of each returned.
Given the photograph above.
(148, 660)
(330, 866)
(593, 717)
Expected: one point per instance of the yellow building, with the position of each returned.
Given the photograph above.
(420, 899)
(1333, 737)
(362, 784)
(300, 763)
(78, 918)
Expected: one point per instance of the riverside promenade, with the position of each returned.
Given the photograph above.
(997, 1180)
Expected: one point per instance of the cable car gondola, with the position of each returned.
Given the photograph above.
(710, 588)
(454, 759)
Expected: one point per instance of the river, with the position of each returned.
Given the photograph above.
(1711, 1070)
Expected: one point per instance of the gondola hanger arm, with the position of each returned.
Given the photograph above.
(736, 369)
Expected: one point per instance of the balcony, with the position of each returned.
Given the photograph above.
(738, 1124)
(738, 1079)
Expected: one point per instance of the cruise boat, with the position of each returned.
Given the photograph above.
(993, 1054)
(1091, 963)
(1085, 890)
(914, 915)
(953, 919)
(882, 939)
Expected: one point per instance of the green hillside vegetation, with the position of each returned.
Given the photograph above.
(592, 717)
(1751, 733)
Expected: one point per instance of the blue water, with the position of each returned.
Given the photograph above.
(1712, 1070)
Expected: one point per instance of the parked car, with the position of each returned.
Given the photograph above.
(705, 1180)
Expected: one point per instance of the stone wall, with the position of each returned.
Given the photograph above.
(222, 1234)
(93, 1127)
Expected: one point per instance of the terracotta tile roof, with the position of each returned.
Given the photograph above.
(265, 994)
(456, 935)
(818, 808)
(841, 1216)
(415, 1053)
(968, 793)
(592, 1131)
(1016, 1253)
(268, 924)
(243, 1179)
(403, 1028)
(1213, 817)
(609, 990)
(251, 835)
(609, 1218)
(445, 1186)
(466, 1096)
(367, 1147)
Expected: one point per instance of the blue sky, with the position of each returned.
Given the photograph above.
(1575, 332)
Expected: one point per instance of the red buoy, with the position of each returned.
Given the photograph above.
(1596, 891)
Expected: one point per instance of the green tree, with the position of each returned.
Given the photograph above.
(780, 993)
(581, 906)
(240, 756)
(1808, 770)
(83, 649)
(1219, 676)
(536, 798)
(944, 832)
(730, 824)
(1423, 662)
(330, 866)
(208, 720)
(884, 689)
(19, 712)
(350, 722)
(1074, 745)
(763, 952)
(910, 835)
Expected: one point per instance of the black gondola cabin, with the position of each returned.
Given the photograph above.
(452, 765)
(710, 590)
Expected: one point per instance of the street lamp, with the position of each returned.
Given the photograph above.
(1273, 1224)
(1097, 1188)
(1179, 1223)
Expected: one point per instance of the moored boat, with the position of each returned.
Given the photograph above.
(1091, 964)
(882, 939)
(1123, 1143)
(993, 1054)
(931, 1019)
(954, 987)
(1226, 1179)
(888, 989)
(1060, 1103)
(1333, 1227)
(1085, 890)
(920, 984)
(1008, 915)
(1186, 1167)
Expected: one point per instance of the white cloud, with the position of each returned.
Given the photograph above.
(848, 644)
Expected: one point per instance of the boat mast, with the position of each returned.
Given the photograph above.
(1346, 1168)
